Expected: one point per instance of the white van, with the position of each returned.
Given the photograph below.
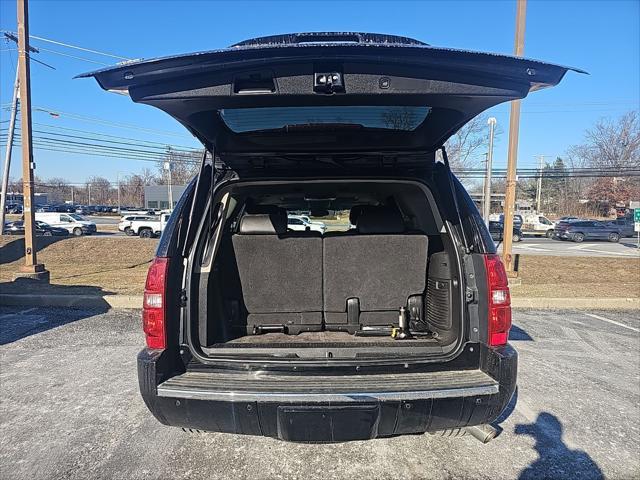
(72, 222)
(538, 225)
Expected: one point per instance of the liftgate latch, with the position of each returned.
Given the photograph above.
(328, 82)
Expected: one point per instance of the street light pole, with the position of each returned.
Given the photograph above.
(118, 181)
(167, 166)
(7, 153)
(31, 268)
(539, 187)
(512, 161)
(487, 185)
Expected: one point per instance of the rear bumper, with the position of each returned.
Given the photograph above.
(309, 411)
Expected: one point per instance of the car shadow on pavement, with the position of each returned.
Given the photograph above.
(516, 333)
(555, 458)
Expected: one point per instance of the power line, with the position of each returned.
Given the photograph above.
(99, 134)
(100, 121)
(68, 45)
(72, 56)
(112, 139)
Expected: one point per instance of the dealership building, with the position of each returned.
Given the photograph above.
(157, 196)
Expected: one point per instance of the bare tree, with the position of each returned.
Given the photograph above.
(400, 119)
(101, 191)
(57, 188)
(184, 165)
(610, 143)
(466, 147)
(15, 185)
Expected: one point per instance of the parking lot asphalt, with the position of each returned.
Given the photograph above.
(627, 247)
(70, 408)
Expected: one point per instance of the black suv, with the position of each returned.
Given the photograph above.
(399, 325)
(496, 229)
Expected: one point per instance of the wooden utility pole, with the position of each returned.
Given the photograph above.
(512, 162)
(31, 268)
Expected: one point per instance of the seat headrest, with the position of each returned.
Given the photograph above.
(380, 220)
(264, 220)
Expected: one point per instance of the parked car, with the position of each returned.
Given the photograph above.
(496, 229)
(568, 219)
(44, 208)
(125, 222)
(148, 227)
(72, 222)
(251, 329)
(517, 220)
(625, 226)
(298, 223)
(580, 230)
(538, 226)
(42, 229)
(14, 208)
(82, 210)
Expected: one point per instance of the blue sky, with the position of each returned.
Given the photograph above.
(601, 37)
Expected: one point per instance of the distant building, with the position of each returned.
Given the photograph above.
(38, 198)
(157, 196)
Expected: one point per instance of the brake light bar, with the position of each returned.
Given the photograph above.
(154, 307)
(499, 313)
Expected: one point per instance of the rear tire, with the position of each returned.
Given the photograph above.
(128, 232)
(516, 238)
(77, 232)
(578, 238)
(614, 237)
(145, 233)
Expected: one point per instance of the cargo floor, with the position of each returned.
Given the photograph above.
(318, 338)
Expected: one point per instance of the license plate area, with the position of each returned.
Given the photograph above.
(328, 423)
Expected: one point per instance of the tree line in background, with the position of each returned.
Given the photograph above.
(99, 190)
(609, 144)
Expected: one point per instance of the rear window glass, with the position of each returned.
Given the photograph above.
(403, 118)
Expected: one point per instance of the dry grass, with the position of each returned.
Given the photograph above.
(559, 277)
(119, 265)
(114, 265)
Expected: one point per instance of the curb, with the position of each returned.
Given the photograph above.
(72, 301)
(547, 303)
(135, 301)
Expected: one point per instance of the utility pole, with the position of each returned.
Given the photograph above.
(487, 179)
(7, 153)
(539, 187)
(89, 193)
(72, 199)
(118, 181)
(31, 268)
(167, 166)
(12, 127)
(512, 161)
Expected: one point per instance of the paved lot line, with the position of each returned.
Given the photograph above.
(598, 317)
(533, 247)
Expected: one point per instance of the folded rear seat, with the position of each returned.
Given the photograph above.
(280, 273)
(370, 274)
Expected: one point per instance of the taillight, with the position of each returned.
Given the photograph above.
(499, 301)
(153, 307)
